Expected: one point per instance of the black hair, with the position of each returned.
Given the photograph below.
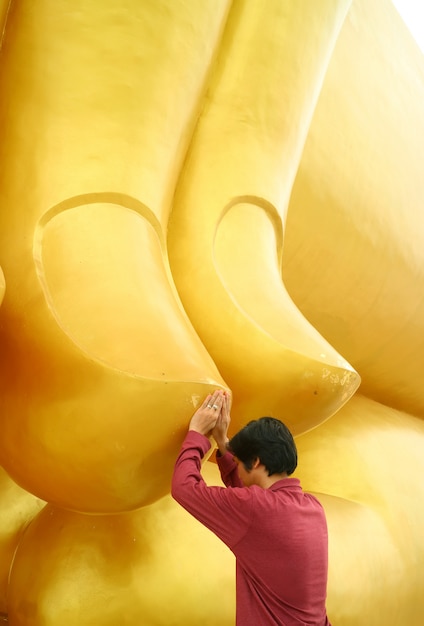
(268, 440)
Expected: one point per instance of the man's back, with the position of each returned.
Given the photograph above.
(282, 558)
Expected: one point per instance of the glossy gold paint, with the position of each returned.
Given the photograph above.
(197, 194)
(18, 507)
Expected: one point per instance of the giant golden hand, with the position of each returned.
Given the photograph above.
(91, 307)
(135, 130)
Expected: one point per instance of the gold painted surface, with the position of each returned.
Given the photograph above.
(91, 307)
(2, 285)
(18, 508)
(134, 568)
(231, 204)
(4, 8)
(366, 466)
(358, 279)
(138, 129)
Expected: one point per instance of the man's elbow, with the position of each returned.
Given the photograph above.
(183, 493)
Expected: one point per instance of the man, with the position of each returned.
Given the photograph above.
(277, 532)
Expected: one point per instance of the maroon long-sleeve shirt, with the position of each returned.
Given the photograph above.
(278, 536)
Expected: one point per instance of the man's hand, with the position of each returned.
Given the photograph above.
(220, 429)
(206, 416)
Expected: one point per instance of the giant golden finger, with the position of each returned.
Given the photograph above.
(231, 203)
(101, 368)
(354, 248)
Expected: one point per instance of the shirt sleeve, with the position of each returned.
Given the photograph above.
(228, 468)
(226, 512)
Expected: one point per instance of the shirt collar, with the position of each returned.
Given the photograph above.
(285, 483)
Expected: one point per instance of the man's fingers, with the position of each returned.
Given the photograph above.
(207, 402)
(216, 400)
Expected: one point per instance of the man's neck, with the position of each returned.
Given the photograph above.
(266, 481)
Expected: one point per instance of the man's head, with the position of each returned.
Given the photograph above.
(268, 440)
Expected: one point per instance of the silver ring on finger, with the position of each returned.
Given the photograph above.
(215, 407)
(209, 406)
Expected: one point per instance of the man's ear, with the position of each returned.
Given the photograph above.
(256, 463)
